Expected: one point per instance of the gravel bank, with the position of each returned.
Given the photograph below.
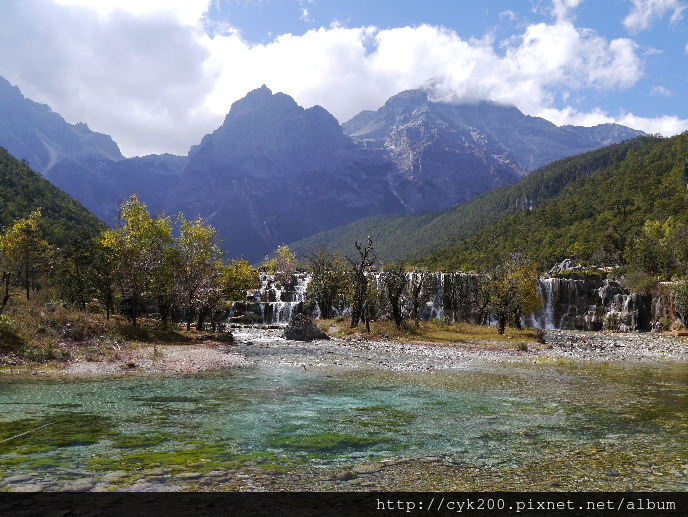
(266, 346)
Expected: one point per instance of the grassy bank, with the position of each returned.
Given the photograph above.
(41, 330)
(435, 332)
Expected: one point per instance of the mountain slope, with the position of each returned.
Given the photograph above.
(33, 132)
(275, 172)
(22, 190)
(412, 237)
(102, 184)
(648, 183)
(448, 153)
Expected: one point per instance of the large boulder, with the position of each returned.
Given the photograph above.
(302, 328)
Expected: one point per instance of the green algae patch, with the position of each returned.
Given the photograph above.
(167, 399)
(135, 441)
(53, 432)
(379, 419)
(205, 456)
(202, 458)
(324, 442)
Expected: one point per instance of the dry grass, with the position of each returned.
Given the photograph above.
(435, 332)
(42, 330)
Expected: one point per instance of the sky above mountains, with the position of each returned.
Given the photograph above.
(159, 74)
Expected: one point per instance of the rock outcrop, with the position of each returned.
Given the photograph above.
(302, 328)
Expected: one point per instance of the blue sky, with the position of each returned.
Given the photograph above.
(663, 44)
(158, 74)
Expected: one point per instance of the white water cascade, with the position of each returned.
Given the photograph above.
(547, 288)
(584, 303)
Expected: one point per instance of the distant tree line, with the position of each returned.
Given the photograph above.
(173, 269)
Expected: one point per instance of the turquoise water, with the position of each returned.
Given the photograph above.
(496, 416)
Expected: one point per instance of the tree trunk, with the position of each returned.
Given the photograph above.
(26, 275)
(134, 303)
(201, 319)
(502, 324)
(6, 296)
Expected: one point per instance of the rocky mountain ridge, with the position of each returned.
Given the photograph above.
(449, 153)
(33, 132)
(275, 172)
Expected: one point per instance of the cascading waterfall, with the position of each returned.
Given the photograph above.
(584, 303)
(277, 298)
(547, 321)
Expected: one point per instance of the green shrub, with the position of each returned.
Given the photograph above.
(641, 283)
(8, 332)
(611, 322)
(41, 354)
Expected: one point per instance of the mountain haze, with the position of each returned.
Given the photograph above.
(275, 172)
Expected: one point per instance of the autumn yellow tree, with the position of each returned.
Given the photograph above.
(23, 252)
(513, 291)
(282, 264)
(139, 251)
(200, 262)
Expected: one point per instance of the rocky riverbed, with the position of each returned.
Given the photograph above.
(265, 345)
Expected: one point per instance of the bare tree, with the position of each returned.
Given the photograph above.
(359, 282)
(418, 295)
(394, 280)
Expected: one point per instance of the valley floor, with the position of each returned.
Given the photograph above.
(262, 344)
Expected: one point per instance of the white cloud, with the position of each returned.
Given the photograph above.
(645, 13)
(185, 11)
(305, 15)
(561, 9)
(156, 81)
(661, 91)
(666, 125)
(349, 69)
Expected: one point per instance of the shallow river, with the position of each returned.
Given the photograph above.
(493, 425)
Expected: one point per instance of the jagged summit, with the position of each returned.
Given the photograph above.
(275, 172)
(33, 132)
(273, 125)
(450, 152)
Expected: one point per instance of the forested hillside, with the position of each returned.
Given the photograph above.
(22, 190)
(417, 236)
(634, 210)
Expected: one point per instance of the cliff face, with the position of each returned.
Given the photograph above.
(448, 153)
(275, 172)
